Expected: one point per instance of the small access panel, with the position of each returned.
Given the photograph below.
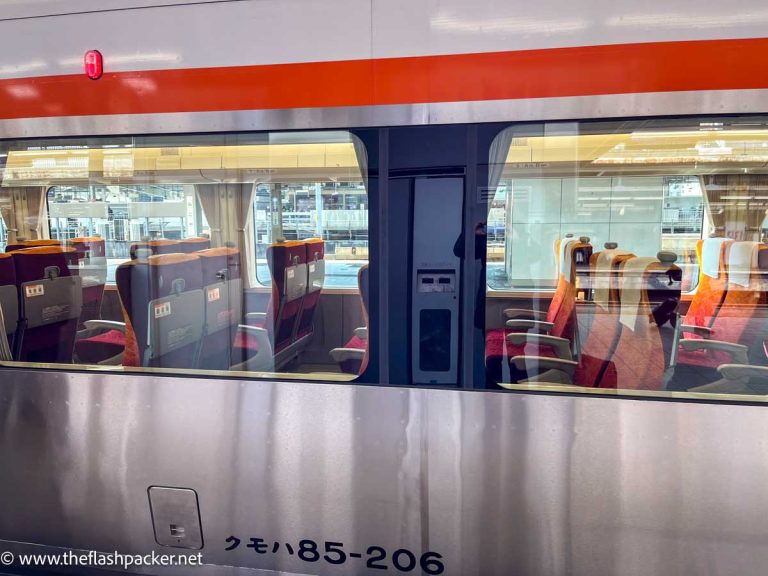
(437, 218)
(176, 517)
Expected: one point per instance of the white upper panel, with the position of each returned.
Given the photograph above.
(36, 8)
(409, 27)
(196, 36)
(250, 32)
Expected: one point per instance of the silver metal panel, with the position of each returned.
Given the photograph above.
(497, 483)
(538, 109)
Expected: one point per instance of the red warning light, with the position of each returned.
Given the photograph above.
(94, 64)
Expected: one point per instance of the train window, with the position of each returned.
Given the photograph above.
(629, 256)
(334, 210)
(153, 253)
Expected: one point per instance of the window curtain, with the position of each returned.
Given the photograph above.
(7, 213)
(228, 209)
(735, 204)
(23, 212)
(246, 240)
(209, 200)
(36, 222)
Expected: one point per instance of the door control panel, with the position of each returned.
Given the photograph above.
(436, 281)
(176, 517)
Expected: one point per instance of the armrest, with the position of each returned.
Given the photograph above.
(562, 346)
(362, 333)
(702, 331)
(737, 351)
(742, 371)
(258, 319)
(511, 313)
(343, 354)
(263, 361)
(531, 324)
(524, 362)
(261, 335)
(106, 324)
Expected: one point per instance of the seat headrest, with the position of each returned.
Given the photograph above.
(171, 259)
(666, 256)
(37, 250)
(632, 285)
(564, 258)
(217, 252)
(86, 240)
(742, 261)
(714, 254)
(602, 274)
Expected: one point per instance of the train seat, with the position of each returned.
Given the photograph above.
(51, 302)
(189, 245)
(598, 320)
(315, 277)
(222, 287)
(536, 333)
(639, 357)
(624, 346)
(736, 334)
(353, 357)
(92, 268)
(20, 245)
(163, 305)
(288, 270)
(143, 250)
(9, 302)
(712, 255)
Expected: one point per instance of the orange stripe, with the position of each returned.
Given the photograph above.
(579, 71)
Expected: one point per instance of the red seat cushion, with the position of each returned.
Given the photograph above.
(100, 347)
(357, 343)
(246, 341)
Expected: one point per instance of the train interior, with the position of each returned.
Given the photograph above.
(631, 259)
(237, 255)
(593, 256)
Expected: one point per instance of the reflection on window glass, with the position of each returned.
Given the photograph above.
(152, 253)
(336, 211)
(629, 256)
(124, 215)
(648, 212)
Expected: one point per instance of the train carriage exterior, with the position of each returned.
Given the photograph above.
(415, 286)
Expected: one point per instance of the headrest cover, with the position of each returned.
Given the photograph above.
(632, 285)
(566, 253)
(710, 255)
(742, 260)
(602, 276)
(611, 245)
